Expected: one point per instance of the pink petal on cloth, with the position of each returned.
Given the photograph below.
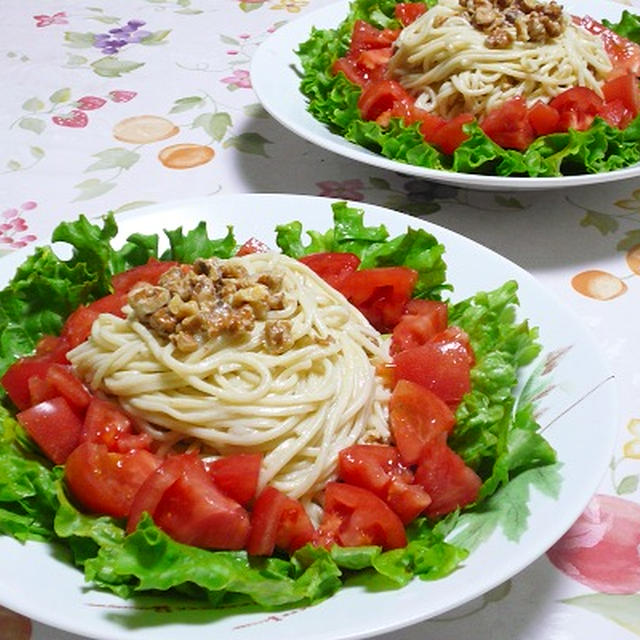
(14, 626)
(602, 549)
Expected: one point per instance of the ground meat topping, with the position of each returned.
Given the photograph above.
(508, 21)
(190, 305)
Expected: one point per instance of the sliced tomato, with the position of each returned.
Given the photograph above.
(61, 378)
(616, 114)
(332, 267)
(365, 36)
(278, 521)
(421, 320)
(16, 378)
(348, 65)
(252, 245)
(442, 367)
(408, 12)
(454, 334)
(383, 99)
(104, 423)
(40, 390)
(508, 125)
(77, 327)
(194, 511)
(237, 475)
(430, 124)
(149, 272)
(54, 426)
(577, 107)
(380, 293)
(355, 517)
(544, 118)
(54, 347)
(105, 482)
(447, 479)
(379, 469)
(450, 135)
(623, 53)
(372, 59)
(153, 488)
(626, 89)
(417, 416)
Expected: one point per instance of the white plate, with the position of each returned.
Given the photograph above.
(275, 77)
(580, 410)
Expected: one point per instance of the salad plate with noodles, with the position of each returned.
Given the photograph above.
(488, 94)
(282, 410)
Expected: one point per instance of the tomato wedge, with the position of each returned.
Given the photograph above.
(408, 12)
(380, 293)
(237, 475)
(278, 521)
(421, 320)
(417, 417)
(105, 482)
(508, 125)
(54, 426)
(448, 480)
(194, 511)
(544, 118)
(379, 469)
(577, 107)
(355, 517)
(332, 267)
(149, 272)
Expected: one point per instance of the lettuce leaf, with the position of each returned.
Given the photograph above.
(332, 100)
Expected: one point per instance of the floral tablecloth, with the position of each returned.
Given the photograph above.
(117, 105)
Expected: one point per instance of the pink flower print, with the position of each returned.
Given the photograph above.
(13, 226)
(240, 79)
(56, 18)
(347, 189)
(602, 549)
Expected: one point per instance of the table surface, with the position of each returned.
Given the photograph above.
(71, 101)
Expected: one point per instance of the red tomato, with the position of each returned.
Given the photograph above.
(77, 327)
(61, 378)
(149, 272)
(408, 12)
(447, 479)
(278, 521)
(54, 426)
(454, 334)
(252, 245)
(54, 347)
(153, 488)
(16, 378)
(577, 107)
(380, 294)
(379, 469)
(417, 416)
(623, 54)
(372, 59)
(194, 511)
(237, 475)
(104, 423)
(104, 482)
(430, 124)
(441, 367)
(383, 99)
(365, 36)
(508, 125)
(40, 390)
(543, 118)
(333, 268)
(450, 135)
(355, 517)
(616, 114)
(421, 321)
(354, 73)
(626, 89)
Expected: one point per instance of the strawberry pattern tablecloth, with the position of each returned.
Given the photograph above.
(112, 106)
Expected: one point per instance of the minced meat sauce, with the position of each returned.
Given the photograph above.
(190, 305)
(507, 21)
